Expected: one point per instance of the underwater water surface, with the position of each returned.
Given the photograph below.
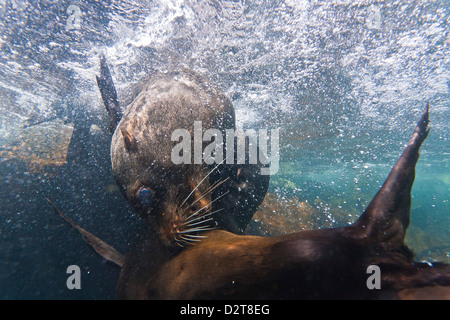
(343, 81)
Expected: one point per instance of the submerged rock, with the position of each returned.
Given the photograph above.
(38, 146)
(428, 246)
(281, 215)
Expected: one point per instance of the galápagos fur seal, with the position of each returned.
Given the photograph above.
(316, 264)
(180, 200)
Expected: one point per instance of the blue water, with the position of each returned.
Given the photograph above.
(344, 82)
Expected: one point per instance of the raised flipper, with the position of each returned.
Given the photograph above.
(386, 219)
(102, 248)
(109, 94)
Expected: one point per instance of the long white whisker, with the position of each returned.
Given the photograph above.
(202, 181)
(191, 239)
(194, 236)
(195, 213)
(203, 216)
(178, 243)
(202, 221)
(211, 189)
(196, 229)
(207, 192)
(186, 239)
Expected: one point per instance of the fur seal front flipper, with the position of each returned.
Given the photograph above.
(101, 247)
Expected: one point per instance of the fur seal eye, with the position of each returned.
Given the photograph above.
(145, 195)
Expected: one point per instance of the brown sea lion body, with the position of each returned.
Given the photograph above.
(318, 264)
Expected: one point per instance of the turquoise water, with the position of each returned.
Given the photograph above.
(348, 173)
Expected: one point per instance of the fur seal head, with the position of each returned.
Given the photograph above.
(175, 199)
